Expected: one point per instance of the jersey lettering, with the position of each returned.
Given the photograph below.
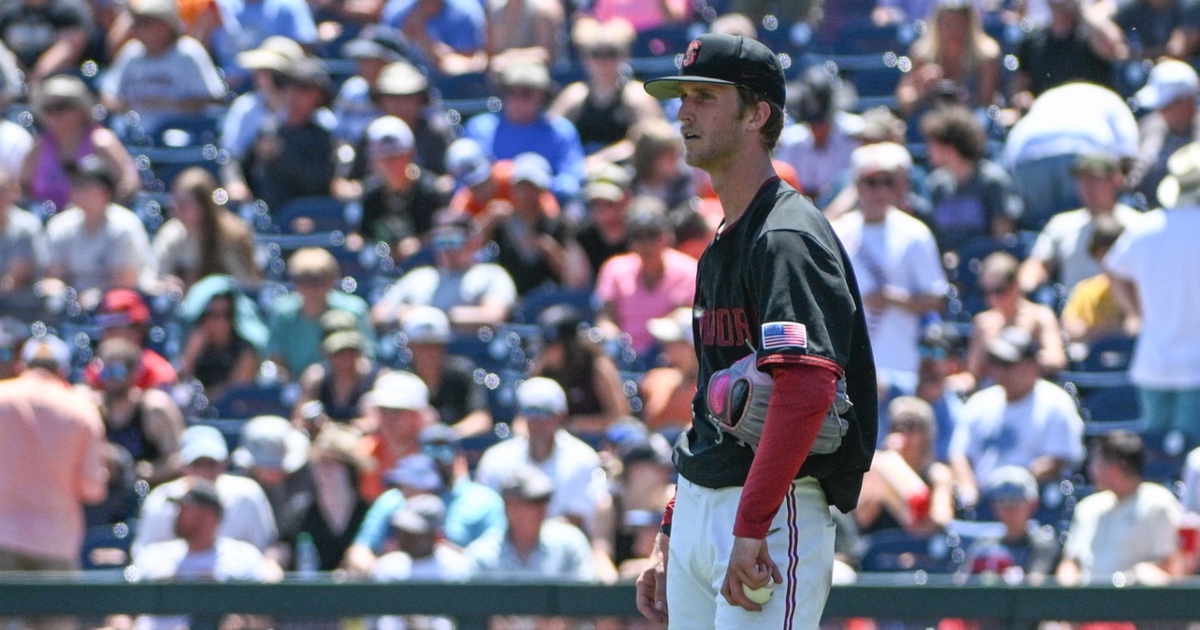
(724, 327)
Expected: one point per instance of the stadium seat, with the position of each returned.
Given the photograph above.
(1112, 408)
(892, 550)
(323, 214)
(541, 298)
(247, 401)
(107, 546)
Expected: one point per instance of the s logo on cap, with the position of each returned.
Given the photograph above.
(689, 56)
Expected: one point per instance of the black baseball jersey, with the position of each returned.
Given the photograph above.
(779, 280)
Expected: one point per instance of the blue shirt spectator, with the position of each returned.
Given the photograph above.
(472, 512)
(459, 24)
(246, 23)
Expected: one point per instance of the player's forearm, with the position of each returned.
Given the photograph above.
(801, 396)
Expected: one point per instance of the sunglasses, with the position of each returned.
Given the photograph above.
(604, 53)
(440, 451)
(1000, 290)
(879, 182)
(522, 92)
(218, 314)
(114, 372)
(538, 413)
(448, 241)
(309, 280)
(56, 107)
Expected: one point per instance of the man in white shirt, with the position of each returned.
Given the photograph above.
(247, 512)
(819, 146)
(1022, 420)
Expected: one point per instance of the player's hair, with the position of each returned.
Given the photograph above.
(770, 131)
(957, 127)
(1122, 448)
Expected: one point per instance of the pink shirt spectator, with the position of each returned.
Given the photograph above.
(620, 283)
(642, 14)
(51, 463)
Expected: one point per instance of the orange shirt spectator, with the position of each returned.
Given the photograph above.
(475, 199)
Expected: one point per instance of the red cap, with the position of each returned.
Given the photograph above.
(127, 303)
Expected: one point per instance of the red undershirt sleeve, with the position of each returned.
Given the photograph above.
(668, 514)
(802, 394)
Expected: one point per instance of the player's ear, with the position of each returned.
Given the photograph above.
(757, 116)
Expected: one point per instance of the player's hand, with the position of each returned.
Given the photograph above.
(750, 564)
(652, 583)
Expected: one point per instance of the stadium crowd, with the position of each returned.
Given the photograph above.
(403, 289)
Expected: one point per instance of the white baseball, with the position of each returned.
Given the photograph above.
(759, 595)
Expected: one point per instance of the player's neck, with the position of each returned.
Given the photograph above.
(737, 185)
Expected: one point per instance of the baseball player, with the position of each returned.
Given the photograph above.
(784, 419)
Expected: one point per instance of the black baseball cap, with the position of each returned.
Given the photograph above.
(726, 60)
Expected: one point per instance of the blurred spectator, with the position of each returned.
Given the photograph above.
(96, 244)
(145, 422)
(942, 351)
(293, 156)
(372, 49)
(667, 389)
(519, 30)
(534, 247)
(650, 281)
(199, 550)
(420, 552)
(1171, 96)
(608, 104)
(275, 454)
(953, 55)
(642, 15)
(12, 336)
(1091, 310)
(473, 511)
(1041, 148)
(47, 36)
(1079, 44)
(896, 261)
(62, 106)
(246, 25)
(609, 200)
(734, 24)
(1012, 494)
(545, 444)
(1022, 420)
(891, 158)
(161, 73)
(1061, 251)
(1128, 531)
(971, 195)
(658, 167)
(335, 510)
(123, 314)
(459, 398)
(572, 359)
(471, 293)
(224, 346)
(641, 490)
(535, 546)
(890, 12)
(1152, 264)
(1008, 307)
(818, 144)
(295, 329)
(1160, 27)
(22, 243)
(399, 198)
(483, 185)
(397, 410)
(52, 462)
(333, 389)
(264, 101)
(203, 237)
(247, 512)
(448, 36)
(15, 140)
(402, 91)
(523, 125)
(907, 487)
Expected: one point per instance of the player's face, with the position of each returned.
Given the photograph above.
(711, 125)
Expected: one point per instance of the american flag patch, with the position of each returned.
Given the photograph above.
(784, 335)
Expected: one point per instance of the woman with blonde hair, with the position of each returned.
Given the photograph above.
(953, 51)
(203, 237)
(607, 105)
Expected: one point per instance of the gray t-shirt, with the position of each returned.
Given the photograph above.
(91, 258)
(430, 286)
(22, 240)
(1064, 243)
(961, 210)
(562, 554)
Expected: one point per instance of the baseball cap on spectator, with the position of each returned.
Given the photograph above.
(1169, 81)
(1181, 186)
(541, 396)
(909, 411)
(376, 41)
(417, 472)
(201, 492)
(528, 484)
(533, 168)
(421, 514)
(62, 88)
(337, 320)
(647, 222)
(340, 442)
(1102, 163)
(1011, 483)
(388, 136)
(467, 163)
(309, 72)
(401, 78)
(276, 53)
(716, 58)
(439, 442)
(425, 324)
(814, 96)
(654, 449)
(559, 322)
(676, 326)
(312, 263)
(883, 157)
(200, 442)
(271, 442)
(1012, 345)
(122, 307)
(609, 182)
(398, 390)
(340, 340)
(165, 10)
(92, 169)
(47, 352)
(530, 74)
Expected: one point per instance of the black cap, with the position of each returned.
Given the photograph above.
(377, 41)
(528, 484)
(726, 60)
(202, 492)
(93, 168)
(1013, 345)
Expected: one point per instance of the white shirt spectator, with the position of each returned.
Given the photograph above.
(1108, 536)
(819, 167)
(15, 144)
(1064, 241)
(994, 431)
(247, 517)
(92, 257)
(572, 466)
(899, 252)
(1057, 125)
(147, 84)
(447, 564)
(562, 554)
(228, 560)
(1159, 254)
(21, 240)
(430, 286)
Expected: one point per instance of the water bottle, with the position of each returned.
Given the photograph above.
(308, 561)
